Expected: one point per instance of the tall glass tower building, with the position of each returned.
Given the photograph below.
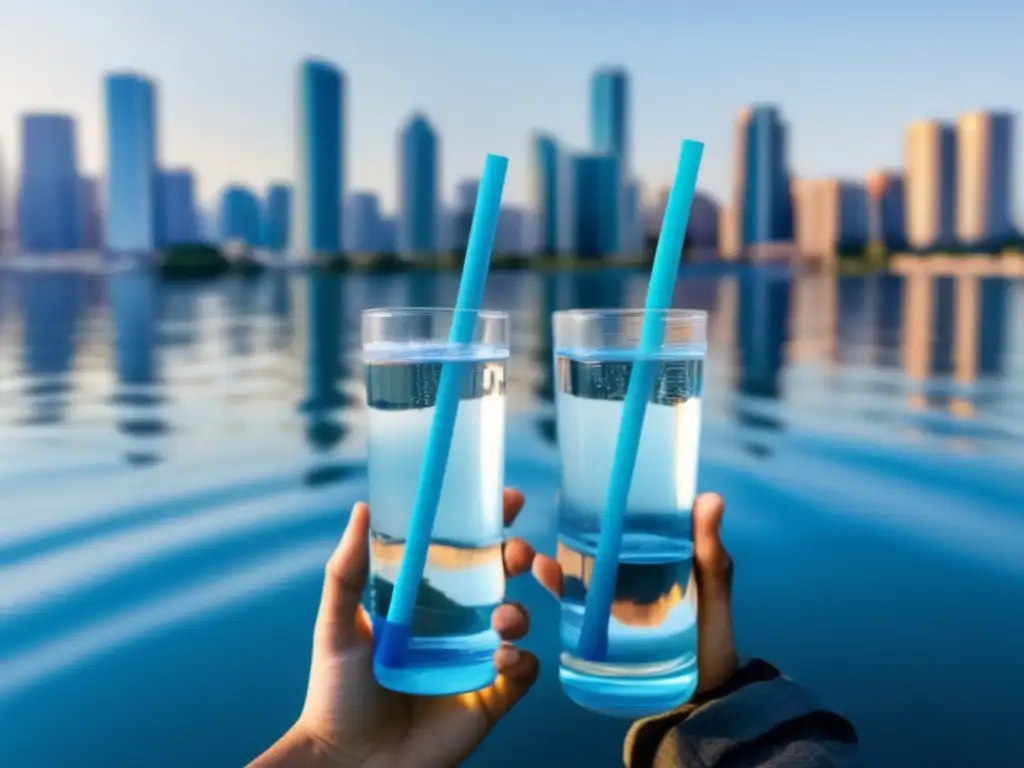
(767, 201)
(320, 183)
(609, 135)
(594, 191)
(178, 220)
(240, 218)
(132, 216)
(545, 193)
(277, 218)
(48, 207)
(418, 188)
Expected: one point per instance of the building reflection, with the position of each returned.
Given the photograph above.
(242, 299)
(423, 290)
(280, 307)
(51, 305)
(325, 366)
(178, 311)
(132, 297)
(762, 326)
(955, 325)
(551, 286)
(885, 310)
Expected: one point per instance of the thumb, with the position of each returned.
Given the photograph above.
(341, 623)
(713, 572)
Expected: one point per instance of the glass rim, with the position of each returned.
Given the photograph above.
(684, 315)
(386, 312)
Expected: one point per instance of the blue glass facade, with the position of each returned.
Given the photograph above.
(887, 213)
(277, 218)
(319, 190)
(49, 217)
(131, 163)
(947, 185)
(594, 192)
(362, 223)
(419, 188)
(1000, 181)
(609, 135)
(767, 201)
(545, 194)
(178, 220)
(240, 218)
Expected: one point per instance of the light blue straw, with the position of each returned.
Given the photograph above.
(393, 640)
(593, 644)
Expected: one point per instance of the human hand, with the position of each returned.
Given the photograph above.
(349, 720)
(717, 660)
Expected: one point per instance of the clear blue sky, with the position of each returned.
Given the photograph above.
(849, 75)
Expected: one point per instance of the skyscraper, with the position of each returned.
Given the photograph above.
(594, 186)
(984, 201)
(277, 218)
(767, 207)
(609, 134)
(546, 166)
(929, 153)
(240, 217)
(419, 188)
(131, 163)
(886, 210)
(320, 185)
(90, 231)
(831, 216)
(462, 217)
(177, 215)
(48, 213)
(362, 223)
(733, 218)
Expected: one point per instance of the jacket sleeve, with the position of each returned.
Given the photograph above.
(759, 719)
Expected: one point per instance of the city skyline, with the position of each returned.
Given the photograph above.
(231, 121)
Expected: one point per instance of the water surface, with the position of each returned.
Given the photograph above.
(177, 461)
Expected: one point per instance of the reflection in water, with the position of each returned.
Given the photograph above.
(132, 297)
(50, 307)
(544, 356)
(280, 309)
(762, 326)
(179, 315)
(954, 325)
(241, 297)
(325, 367)
(423, 290)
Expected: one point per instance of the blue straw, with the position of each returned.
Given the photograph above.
(593, 644)
(393, 640)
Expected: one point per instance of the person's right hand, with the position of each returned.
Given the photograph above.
(717, 660)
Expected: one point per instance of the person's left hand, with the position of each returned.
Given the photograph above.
(350, 720)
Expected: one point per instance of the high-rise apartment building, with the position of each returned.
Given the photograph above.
(277, 218)
(886, 210)
(320, 183)
(984, 181)
(930, 163)
(362, 223)
(594, 190)
(132, 157)
(610, 135)
(419, 188)
(90, 219)
(766, 203)
(466, 192)
(831, 217)
(48, 189)
(176, 206)
(546, 192)
(240, 217)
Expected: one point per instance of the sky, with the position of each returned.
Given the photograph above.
(848, 75)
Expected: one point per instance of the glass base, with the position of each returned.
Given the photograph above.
(435, 680)
(628, 691)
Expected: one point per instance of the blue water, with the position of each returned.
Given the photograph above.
(650, 665)
(452, 645)
(177, 462)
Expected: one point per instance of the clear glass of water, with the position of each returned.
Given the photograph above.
(651, 664)
(452, 645)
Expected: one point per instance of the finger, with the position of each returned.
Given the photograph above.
(517, 672)
(511, 621)
(713, 572)
(512, 502)
(548, 574)
(518, 557)
(341, 622)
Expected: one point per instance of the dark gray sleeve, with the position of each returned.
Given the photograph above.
(759, 720)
